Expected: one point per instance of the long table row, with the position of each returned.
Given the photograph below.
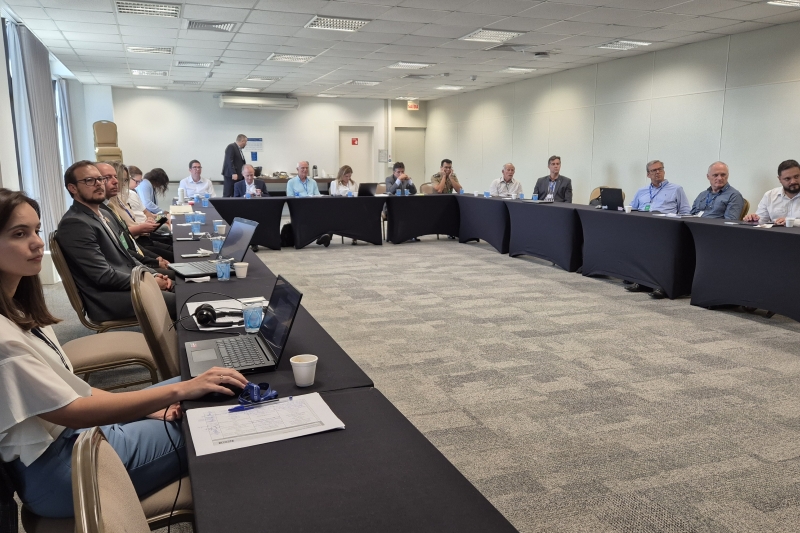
(716, 261)
(379, 474)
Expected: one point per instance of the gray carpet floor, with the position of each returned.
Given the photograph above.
(572, 405)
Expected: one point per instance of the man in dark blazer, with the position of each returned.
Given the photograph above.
(232, 166)
(249, 175)
(97, 260)
(555, 187)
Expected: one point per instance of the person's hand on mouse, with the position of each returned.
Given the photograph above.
(213, 380)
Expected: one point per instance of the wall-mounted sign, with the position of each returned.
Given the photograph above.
(354, 141)
(255, 144)
(412, 106)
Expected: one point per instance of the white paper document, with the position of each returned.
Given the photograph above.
(223, 305)
(216, 429)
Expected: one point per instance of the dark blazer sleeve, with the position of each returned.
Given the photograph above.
(80, 243)
(263, 186)
(239, 189)
(568, 190)
(228, 167)
(537, 189)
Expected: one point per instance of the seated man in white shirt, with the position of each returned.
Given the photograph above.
(507, 185)
(250, 185)
(194, 183)
(782, 202)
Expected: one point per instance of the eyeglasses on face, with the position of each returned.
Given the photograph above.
(91, 182)
(654, 170)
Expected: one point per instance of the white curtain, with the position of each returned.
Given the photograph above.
(64, 125)
(37, 129)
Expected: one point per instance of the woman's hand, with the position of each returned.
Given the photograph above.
(213, 380)
(174, 412)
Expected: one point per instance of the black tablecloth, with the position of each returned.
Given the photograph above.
(749, 266)
(412, 216)
(357, 218)
(484, 218)
(379, 474)
(641, 247)
(551, 231)
(266, 211)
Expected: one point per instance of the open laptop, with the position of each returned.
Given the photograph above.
(251, 353)
(367, 189)
(235, 246)
(611, 199)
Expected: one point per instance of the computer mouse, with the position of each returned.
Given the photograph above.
(221, 397)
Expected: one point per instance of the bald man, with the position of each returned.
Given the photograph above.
(302, 185)
(506, 185)
(720, 200)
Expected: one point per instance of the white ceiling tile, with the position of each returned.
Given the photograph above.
(523, 24)
(695, 38)
(474, 20)
(222, 14)
(740, 27)
(262, 54)
(754, 11)
(607, 15)
(614, 31)
(660, 35)
(93, 37)
(499, 7)
(277, 18)
(294, 6)
(705, 7)
(219, 36)
(658, 20)
(794, 16)
(87, 27)
(87, 5)
(419, 40)
(537, 38)
(350, 9)
(392, 26)
(385, 38)
(72, 15)
(194, 43)
(409, 14)
(555, 11)
(569, 27)
(644, 5)
(148, 22)
(41, 24)
(47, 34)
(437, 30)
(246, 4)
(314, 34)
(22, 3)
(25, 12)
(442, 5)
(701, 24)
(581, 40)
(142, 31)
(252, 47)
(242, 60)
(309, 43)
(263, 30)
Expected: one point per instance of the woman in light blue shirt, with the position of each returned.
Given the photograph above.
(154, 184)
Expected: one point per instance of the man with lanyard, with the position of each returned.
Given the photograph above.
(660, 195)
(507, 185)
(663, 197)
(782, 202)
(720, 200)
(303, 186)
(555, 187)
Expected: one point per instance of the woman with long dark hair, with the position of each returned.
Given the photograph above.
(43, 405)
(154, 185)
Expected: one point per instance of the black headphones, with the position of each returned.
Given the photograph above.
(207, 317)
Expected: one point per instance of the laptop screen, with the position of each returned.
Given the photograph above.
(279, 316)
(238, 239)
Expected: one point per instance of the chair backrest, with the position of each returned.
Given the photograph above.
(105, 133)
(745, 209)
(380, 189)
(156, 324)
(102, 492)
(68, 282)
(425, 188)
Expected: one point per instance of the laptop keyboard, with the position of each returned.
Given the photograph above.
(241, 352)
(207, 267)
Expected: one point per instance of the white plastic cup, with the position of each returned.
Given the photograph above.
(477, 193)
(181, 196)
(790, 222)
(513, 196)
(628, 208)
(222, 229)
(240, 269)
(304, 367)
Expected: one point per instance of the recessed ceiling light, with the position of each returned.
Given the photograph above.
(517, 70)
(624, 45)
(208, 25)
(410, 98)
(136, 72)
(338, 24)
(150, 87)
(262, 78)
(186, 82)
(364, 83)
(126, 7)
(449, 88)
(410, 66)
(150, 49)
(328, 95)
(785, 3)
(290, 58)
(194, 64)
(247, 89)
(490, 36)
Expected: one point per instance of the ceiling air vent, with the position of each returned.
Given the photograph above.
(419, 76)
(150, 49)
(186, 82)
(150, 9)
(208, 25)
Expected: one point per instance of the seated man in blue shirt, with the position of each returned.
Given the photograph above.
(301, 185)
(720, 200)
(663, 197)
(660, 195)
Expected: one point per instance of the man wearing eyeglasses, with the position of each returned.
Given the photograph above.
(97, 260)
(194, 183)
(660, 196)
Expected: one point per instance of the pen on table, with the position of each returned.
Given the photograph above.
(238, 408)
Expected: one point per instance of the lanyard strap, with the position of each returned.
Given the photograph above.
(41, 336)
(552, 186)
(652, 196)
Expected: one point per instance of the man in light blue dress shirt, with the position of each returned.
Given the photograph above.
(301, 186)
(661, 195)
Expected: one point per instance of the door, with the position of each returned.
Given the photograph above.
(409, 148)
(355, 149)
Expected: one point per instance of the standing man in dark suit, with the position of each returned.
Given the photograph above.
(249, 184)
(95, 255)
(232, 166)
(555, 187)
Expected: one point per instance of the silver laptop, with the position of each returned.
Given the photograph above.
(235, 246)
(251, 353)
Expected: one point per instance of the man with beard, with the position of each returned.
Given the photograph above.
(781, 202)
(97, 260)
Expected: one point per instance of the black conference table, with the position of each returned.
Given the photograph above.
(266, 211)
(416, 215)
(356, 218)
(551, 231)
(652, 250)
(484, 218)
(743, 265)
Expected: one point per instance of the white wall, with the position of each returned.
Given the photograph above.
(732, 98)
(168, 129)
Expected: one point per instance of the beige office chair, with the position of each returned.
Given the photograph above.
(381, 189)
(105, 141)
(745, 209)
(113, 349)
(155, 321)
(74, 294)
(595, 194)
(426, 188)
(104, 498)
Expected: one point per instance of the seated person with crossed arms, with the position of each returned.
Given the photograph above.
(250, 185)
(303, 185)
(782, 202)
